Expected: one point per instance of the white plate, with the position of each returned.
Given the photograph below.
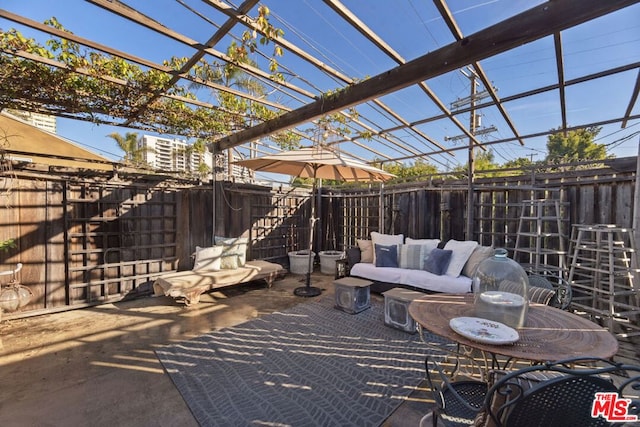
(483, 330)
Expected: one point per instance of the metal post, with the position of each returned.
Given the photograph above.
(472, 130)
(636, 223)
(308, 290)
(381, 210)
(213, 195)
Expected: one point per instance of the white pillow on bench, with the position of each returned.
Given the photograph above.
(234, 251)
(208, 259)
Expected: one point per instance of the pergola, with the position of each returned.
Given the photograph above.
(395, 107)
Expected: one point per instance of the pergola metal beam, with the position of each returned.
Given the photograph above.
(229, 11)
(528, 136)
(85, 42)
(557, 42)
(138, 18)
(132, 58)
(506, 99)
(533, 24)
(370, 35)
(632, 101)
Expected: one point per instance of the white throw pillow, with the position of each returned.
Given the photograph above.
(462, 250)
(234, 252)
(208, 259)
(385, 240)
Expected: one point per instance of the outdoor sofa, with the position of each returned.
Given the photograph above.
(426, 265)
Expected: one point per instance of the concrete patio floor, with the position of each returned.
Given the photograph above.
(97, 366)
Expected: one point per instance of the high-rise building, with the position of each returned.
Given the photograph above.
(175, 155)
(172, 155)
(230, 171)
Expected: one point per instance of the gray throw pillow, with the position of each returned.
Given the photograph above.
(479, 254)
(353, 256)
(438, 261)
(386, 256)
(413, 256)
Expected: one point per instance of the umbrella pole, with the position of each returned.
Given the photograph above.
(308, 290)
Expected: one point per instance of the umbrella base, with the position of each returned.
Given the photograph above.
(307, 291)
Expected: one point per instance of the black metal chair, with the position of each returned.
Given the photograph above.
(456, 381)
(565, 394)
(556, 394)
(563, 294)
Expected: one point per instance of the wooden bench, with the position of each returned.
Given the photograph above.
(187, 286)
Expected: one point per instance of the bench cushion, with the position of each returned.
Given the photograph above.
(190, 284)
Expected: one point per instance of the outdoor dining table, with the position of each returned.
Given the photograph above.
(549, 334)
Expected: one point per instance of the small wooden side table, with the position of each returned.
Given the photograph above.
(352, 294)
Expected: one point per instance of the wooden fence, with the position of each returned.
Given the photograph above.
(87, 241)
(438, 208)
(92, 240)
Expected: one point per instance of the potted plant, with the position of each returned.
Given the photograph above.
(299, 261)
(328, 261)
(5, 245)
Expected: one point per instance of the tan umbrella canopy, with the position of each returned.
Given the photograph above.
(316, 163)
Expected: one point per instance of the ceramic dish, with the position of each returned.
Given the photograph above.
(484, 331)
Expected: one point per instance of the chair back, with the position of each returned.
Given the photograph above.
(562, 293)
(558, 394)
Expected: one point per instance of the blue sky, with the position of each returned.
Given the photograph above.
(412, 28)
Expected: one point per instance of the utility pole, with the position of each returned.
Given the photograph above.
(472, 158)
(474, 129)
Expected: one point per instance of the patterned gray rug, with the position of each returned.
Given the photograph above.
(309, 365)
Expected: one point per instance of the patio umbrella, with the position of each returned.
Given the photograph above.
(316, 163)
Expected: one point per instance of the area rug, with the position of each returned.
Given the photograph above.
(309, 365)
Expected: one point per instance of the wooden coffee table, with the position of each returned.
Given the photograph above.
(549, 334)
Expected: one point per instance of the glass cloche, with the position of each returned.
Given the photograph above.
(501, 290)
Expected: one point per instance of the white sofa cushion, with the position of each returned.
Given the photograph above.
(417, 278)
(462, 250)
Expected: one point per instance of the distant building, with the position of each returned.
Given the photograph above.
(172, 155)
(175, 155)
(41, 121)
(230, 171)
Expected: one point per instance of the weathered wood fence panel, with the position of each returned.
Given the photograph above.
(275, 221)
(89, 241)
(587, 196)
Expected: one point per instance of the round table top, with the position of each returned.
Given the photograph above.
(549, 334)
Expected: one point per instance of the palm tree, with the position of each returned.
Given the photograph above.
(133, 151)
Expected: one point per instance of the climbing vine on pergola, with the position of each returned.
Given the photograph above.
(65, 79)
